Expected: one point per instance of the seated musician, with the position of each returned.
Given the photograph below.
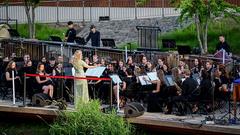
(59, 83)
(103, 62)
(187, 87)
(44, 83)
(205, 85)
(11, 67)
(197, 68)
(221, 84)
(51, 65)
(182, 66)
(144, 61)
(103, 87)
(121, 69)
(130, 63)
(166, 70)
(28, 69)
(129, 83)
(160, 64)
(210, 69)
(155, 102)
(150, 67)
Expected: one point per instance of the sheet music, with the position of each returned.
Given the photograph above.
(153, 76)
(95, 72)
(169, 80)
(196, 77)
(116, 79)
(144, 80)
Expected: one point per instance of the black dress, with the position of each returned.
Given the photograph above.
(40, 85)
(18, 86)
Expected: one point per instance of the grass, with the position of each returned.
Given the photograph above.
(43, 31)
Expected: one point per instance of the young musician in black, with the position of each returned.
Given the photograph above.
(223, 44)
(186, 93)
(94, 35)
(70, 35)
(197, 67)
(51, 65)
(121, 69)
(11, 67)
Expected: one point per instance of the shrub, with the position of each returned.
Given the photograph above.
(89, 120)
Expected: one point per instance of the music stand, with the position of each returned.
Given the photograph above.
(14, 33)
(152, 76)
(108, 42)
(184, 49)
(169, 80)
(144, 80)
(94, 72)
(116, 80)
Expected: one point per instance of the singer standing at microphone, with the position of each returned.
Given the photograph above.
(80, 86)
(71, 33)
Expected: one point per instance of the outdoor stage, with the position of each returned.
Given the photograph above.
(190, 124)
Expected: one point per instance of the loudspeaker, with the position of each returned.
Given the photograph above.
(168, 43)
(184, 49)
(133, 109)
(41, 99)
(55, 38)
(108, 42)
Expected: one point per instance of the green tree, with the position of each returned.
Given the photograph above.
(202, 11)
(30, 6)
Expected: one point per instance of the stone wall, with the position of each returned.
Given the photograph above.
(125, 30)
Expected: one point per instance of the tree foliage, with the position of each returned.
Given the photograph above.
(202, 11)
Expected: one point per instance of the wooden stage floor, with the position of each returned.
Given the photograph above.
(190, 124)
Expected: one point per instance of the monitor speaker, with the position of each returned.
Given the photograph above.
(41, 99)
(133, 109)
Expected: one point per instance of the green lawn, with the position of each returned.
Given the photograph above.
(43, 31)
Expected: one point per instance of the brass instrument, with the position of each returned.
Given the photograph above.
(179, 89)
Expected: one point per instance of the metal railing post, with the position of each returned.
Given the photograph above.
(135, 9)
(83, 6)
(109, 9)
(111, 94)
(163, 8)
(57, 11)
(7, 11)
(24, 90)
